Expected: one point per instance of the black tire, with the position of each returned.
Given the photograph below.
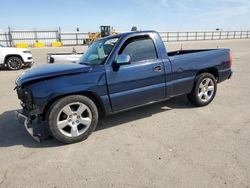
(14, 63)
(57, 108)
(201, 100)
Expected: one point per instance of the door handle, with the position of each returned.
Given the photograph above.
(157, 68)
(179, 70)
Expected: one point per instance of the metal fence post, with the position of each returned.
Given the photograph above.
(76, 38)
(59, 38)
(10, 37)
(35, 33)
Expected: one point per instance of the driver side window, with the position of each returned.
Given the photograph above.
(139, 49)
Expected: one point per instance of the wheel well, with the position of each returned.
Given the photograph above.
(88, 94)
(12, 55)
(212, 71)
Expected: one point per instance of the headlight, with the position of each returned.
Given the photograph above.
(26, 52)
(28, 100)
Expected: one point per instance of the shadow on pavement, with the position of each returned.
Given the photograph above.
(12, 133)
(180, 102)
(4, 69)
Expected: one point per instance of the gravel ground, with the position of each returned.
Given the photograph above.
(169, 144)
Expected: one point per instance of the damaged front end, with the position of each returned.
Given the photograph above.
(28, 116)
(38, 86)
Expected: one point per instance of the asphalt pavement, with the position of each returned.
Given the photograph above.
(168, 144)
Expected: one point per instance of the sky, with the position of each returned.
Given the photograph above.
(159, 15)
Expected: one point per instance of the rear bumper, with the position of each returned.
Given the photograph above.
(230, 75)
(27, 122)
(225, 74)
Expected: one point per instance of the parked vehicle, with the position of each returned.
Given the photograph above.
(72, 57)
(15, 58)
(117, 73)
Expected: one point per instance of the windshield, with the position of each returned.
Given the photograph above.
(98, 52)
(2, 45)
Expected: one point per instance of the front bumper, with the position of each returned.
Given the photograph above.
(28, 63)
(27, 122)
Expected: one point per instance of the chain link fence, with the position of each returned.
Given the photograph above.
(205, 35)
(73, 38)
(12, 37)
(4, 39)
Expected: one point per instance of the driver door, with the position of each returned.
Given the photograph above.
(140, 82)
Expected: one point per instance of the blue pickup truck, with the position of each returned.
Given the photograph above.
(116, 73)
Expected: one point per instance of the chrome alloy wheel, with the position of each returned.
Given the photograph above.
(74, 119)
(206, 89)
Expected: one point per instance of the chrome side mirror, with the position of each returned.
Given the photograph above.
(123, 59)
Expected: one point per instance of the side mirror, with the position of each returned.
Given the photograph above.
(123, 59)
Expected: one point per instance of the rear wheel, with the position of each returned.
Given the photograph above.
(204, 90)
(14, 63)
(73, 119)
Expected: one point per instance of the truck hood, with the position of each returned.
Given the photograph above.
(51, 70)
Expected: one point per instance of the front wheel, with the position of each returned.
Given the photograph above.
(204, 90)
(73, 118)
(14, 63)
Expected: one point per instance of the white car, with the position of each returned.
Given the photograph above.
(15, 58)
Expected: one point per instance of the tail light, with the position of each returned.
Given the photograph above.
(230, 59)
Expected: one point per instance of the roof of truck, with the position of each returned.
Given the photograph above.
(128, 33)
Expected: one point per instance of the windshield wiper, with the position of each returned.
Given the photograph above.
(84, 63)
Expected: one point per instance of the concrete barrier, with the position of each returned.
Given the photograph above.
(38, 44)
(22, 45)
(56, 44)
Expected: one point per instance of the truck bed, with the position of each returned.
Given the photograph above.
(182, 52)
(63, 57)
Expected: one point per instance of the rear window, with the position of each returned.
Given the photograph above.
(139, 49)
